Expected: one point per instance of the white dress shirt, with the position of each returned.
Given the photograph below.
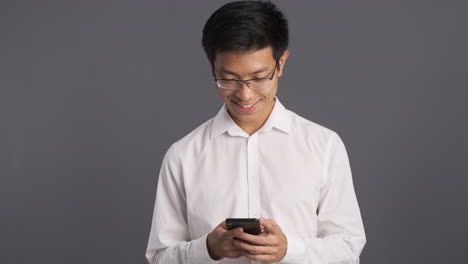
(291, 170)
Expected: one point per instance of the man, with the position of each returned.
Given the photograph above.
(254, 159)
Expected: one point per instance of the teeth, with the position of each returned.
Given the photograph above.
(243, 105)
(246, 106)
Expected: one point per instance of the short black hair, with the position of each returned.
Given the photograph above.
(246, 26)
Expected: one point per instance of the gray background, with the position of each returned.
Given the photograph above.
(94, 92)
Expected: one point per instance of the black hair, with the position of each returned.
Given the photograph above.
(246, 26)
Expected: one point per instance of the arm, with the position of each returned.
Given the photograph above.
(169, 239)
(340, 232)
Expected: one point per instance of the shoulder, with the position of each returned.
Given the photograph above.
(313, 135)
(192, 143)
(309, 129)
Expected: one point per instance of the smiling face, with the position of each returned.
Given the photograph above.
(249, 108)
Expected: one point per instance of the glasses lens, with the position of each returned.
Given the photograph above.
(259, 83)
(227, 84)
(253, 84)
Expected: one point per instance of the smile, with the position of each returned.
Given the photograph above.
(245, 108)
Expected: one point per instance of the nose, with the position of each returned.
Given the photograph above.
(244, 92)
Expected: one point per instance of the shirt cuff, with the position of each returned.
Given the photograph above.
(295, 252)
(199, 251)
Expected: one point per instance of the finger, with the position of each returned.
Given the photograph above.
(258, 257)
(254, 249)
(223, 225)
(270, 225)
(236, 253)
(230, 234)
(254, 239)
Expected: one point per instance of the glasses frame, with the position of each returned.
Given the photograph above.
(239, 82)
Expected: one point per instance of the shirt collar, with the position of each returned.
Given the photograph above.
(279, 118)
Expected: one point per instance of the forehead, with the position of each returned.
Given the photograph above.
(244, 61)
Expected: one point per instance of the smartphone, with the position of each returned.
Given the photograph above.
(249, 225)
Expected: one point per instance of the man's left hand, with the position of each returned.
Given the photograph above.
(271, 245)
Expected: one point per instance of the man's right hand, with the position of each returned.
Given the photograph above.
(220, 243)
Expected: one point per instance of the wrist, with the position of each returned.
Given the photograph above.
(210, 250)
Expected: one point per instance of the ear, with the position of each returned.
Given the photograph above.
(282, 62)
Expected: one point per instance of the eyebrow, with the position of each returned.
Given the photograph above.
(252, 73)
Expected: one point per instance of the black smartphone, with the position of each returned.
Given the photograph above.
(249, 225)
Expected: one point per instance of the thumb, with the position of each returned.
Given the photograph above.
(223, 225)
(269, 224)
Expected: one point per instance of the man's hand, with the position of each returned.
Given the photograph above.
(270, 245)
(220, 243)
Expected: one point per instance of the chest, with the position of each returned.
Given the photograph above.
(244, 177)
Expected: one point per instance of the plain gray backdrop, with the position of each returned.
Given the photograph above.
(94, 92)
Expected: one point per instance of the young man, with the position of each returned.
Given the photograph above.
(254, 159)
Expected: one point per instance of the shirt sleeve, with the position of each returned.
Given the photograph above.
(340, 231)
(169, 239)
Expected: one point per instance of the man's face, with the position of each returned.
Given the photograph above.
(244, 66)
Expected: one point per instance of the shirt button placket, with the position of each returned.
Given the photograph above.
(252, 176)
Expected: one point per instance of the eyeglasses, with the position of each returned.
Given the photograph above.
(255, 83)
